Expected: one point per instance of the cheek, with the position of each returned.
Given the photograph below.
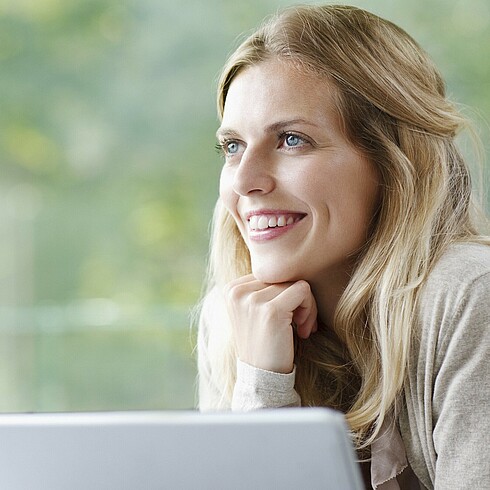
(351, 196)
(228, 196)
(369, 189)
(362, 198)
(226, 188)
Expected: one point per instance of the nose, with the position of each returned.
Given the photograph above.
(253, 175)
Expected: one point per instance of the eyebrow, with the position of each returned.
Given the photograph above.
(272, 128)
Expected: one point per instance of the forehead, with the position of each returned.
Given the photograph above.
(280, 90)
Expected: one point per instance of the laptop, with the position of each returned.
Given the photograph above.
(291, 448)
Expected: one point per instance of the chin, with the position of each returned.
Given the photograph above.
(273, 274)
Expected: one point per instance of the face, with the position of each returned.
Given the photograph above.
(301, 195)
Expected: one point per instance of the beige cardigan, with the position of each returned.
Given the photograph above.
(444, 421)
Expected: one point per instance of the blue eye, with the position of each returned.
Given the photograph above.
(231, 147)
(292, 140)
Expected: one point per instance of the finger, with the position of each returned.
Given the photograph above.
(270, 292)
(298, 296)
(309, 325)
(258, 291)
(243, 286)
(305, 314)
(246, 279)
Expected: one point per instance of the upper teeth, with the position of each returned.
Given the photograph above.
(261, 222)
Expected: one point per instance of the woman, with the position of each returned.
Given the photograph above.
(345, 268)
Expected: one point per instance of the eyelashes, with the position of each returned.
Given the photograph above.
(219, 149)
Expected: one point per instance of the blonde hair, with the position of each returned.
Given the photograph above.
(393, 109)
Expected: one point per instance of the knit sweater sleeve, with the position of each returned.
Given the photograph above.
(256, 388)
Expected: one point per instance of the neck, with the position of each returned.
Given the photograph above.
(327, 292)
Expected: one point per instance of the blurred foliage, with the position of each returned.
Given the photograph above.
(108, 179)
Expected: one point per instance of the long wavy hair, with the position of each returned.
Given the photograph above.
(393, 109)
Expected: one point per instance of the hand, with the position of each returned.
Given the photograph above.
(262, 316)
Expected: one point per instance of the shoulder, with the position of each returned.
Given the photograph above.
(459, 284)
(460, 266)
(453, 325)
(454, 315)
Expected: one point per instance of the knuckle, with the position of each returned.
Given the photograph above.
(254, 298)
(304, 287)
(233, 292)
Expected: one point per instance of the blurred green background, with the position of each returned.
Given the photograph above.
(108, 176)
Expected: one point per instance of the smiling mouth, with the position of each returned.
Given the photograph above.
(261, 222)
